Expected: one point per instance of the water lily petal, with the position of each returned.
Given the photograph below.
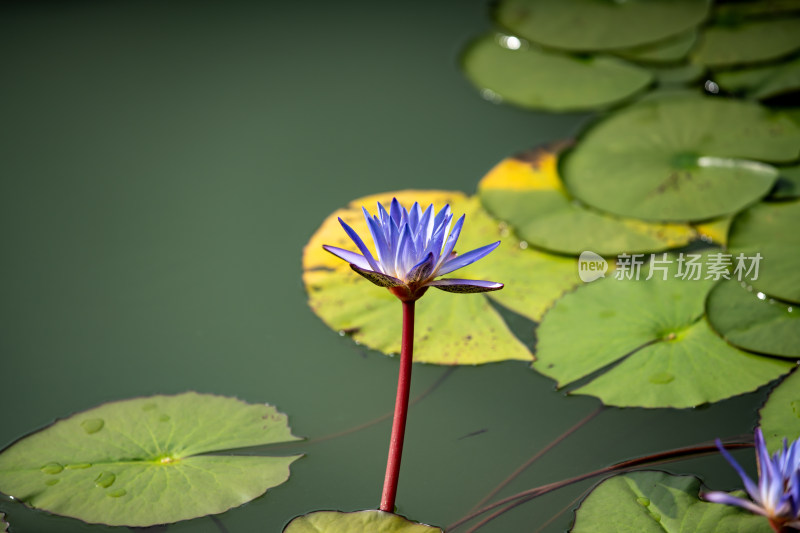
(749, 486)
(465, 285)
(421, 270)
(451, 242)
(382, 280)
(405, 253)
(724, 497)
(436, 242)
(378, 237)
(361, 246)
(468, 258)
(426, 226)
(414, 214)
(347, 255)
(396, 211)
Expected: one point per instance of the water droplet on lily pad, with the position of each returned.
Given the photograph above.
(149, 407)
(105, 480)
(92, 425)
(163, 418)
(51, 482)
(118, 493)
(78, 466)
(52, 468)
(643, 501)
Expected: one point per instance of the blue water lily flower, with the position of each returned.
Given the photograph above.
(413, 248)
(777, 494)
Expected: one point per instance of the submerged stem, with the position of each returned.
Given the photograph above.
(629, 465)
(400, 410)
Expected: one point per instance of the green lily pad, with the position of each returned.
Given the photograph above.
(588, 25)
(537, 79)
(526, 192)
(762, 82)
(657, 502)
(747, 42)
(748, 319)
(771, 230)
(148, 461)
(788, 184)
(678, 74)
(356, 522)
(646, 343)
(451, 328)
(679, 158)
(666, 51)
(780, 416)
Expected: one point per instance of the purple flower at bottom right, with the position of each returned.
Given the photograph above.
(776, 496)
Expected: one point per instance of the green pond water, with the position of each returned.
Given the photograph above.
(163, 163)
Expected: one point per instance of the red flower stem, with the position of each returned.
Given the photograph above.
(400, 410)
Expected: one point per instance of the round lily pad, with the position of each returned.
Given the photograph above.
(526, 192)
(770, 230)
(536, 79)
(780, 416)
(666, 51)
(148, 461)
(762, 82)
(588, 25)
(646, 343)
(356, 522)
(450, 329)
(750, 320)
(743, 41)
(657, 502)
(679, 158)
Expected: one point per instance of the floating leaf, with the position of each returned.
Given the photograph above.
(147, 461)
(646, 343)
(780, 416)
(657, 502)
(788, 184)
(679, 74)
(669, 50)
(586, 25)
(771, 230)
(537, 79)
(356, 522)
(762, 82)
(747, 42)
(748, 319)
(526, 192)
(680, 158)
(451, 329)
